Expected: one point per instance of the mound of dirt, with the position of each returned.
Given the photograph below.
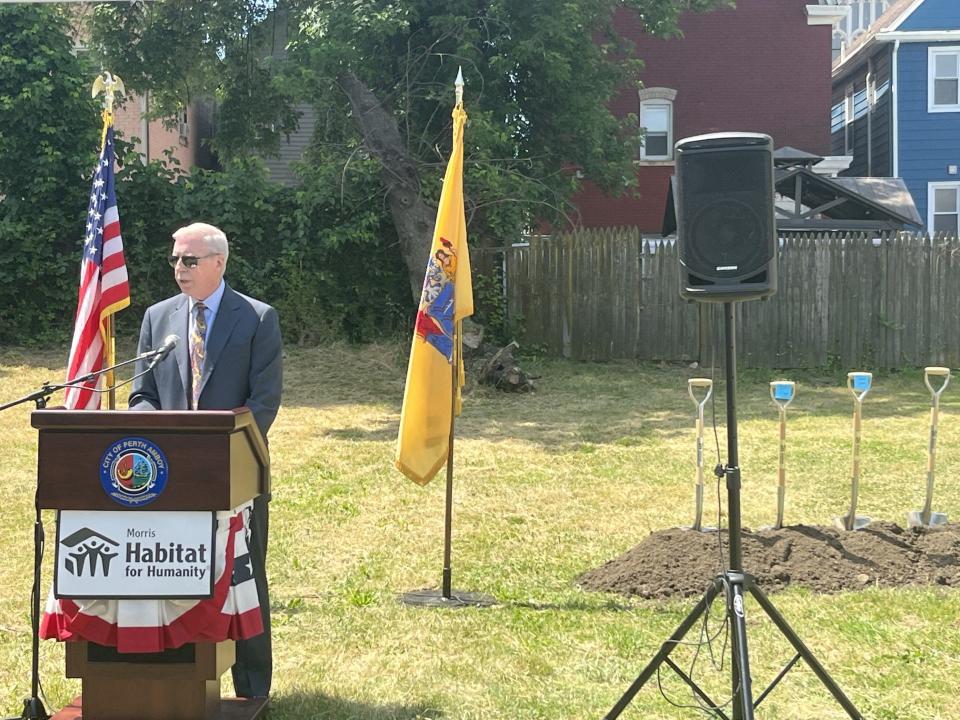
(681, 562)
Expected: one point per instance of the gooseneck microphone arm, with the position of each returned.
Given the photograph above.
(159, 355)
(42, 395)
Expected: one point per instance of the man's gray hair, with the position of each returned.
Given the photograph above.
(214, 237)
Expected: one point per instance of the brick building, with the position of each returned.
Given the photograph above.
(762, 67)
(181, 136)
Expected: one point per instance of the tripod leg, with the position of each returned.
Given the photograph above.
(710, 703)
(805, 653)
(668, 647)
(742, 692)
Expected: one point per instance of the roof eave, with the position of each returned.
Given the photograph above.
(826, 14)
(919, 35)
(850, 62)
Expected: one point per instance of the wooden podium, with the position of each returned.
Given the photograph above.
(216, 461)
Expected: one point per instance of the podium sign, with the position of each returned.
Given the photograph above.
(121, 555)
(125, 485)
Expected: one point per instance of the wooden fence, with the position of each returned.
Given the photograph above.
(853, 300)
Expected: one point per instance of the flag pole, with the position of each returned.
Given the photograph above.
(448, 518)
(109, 85)
(454, 394)
(448, 597)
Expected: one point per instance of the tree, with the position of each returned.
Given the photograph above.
(539, 76)
(48, 143)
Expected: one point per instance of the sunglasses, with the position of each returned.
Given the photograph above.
(189, 261)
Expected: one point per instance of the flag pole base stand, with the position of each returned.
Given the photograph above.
(915, 519)
(456, 599)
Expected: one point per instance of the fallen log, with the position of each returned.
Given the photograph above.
(502, 371)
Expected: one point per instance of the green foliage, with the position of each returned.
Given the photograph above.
(328, 263)
(342, 260)
(182, 50)
(323, 265)
(48, 144)
(539, 77)
(49, 123)
(145, 196)
(490, 308)
(537, 85)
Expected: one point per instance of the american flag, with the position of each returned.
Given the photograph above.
(103, 282)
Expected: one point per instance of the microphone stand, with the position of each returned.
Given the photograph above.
(42, 395)
(33, 708)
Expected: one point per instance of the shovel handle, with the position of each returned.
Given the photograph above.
(782, 392)
(935, 371)
(855, 474)
(857, 378)
(700, 384)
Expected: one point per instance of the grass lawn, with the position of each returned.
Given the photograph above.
(547, 486)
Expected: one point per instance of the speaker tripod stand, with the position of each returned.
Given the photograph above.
(735, 585)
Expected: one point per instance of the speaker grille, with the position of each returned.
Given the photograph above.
(730, 238)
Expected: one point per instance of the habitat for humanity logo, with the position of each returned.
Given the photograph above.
(133, 471)
(89, 550)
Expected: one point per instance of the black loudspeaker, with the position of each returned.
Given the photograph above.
(725, 218)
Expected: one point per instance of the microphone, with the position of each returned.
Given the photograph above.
(169, 343)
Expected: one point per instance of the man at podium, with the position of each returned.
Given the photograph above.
(232, 357)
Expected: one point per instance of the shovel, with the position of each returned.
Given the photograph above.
(695, 385)
(926, 517)
(782, 392)
(859, 384)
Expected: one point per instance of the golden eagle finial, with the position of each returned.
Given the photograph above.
(109, 85)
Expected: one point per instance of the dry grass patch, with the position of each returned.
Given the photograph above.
(548, 485)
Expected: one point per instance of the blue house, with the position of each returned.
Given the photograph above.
(896, 105)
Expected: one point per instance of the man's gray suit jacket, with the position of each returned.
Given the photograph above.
(243, 364)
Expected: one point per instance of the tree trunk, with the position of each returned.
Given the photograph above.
(412, 217)
(501, 371)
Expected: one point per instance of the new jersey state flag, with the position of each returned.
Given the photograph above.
(431, 396)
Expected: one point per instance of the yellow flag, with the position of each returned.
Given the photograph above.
(435, 358)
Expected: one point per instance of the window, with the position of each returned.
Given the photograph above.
(656, 119)
(184, 126)
(656, 122)
(848, 122)
(944, 208)
(943, 81)
(861, 104)
(882, 89)
(836, 118)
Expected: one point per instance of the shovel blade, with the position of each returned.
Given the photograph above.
(859, 522)
(915, 519)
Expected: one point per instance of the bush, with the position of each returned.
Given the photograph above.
(332, 270)
(48, 144)
(325, 254)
